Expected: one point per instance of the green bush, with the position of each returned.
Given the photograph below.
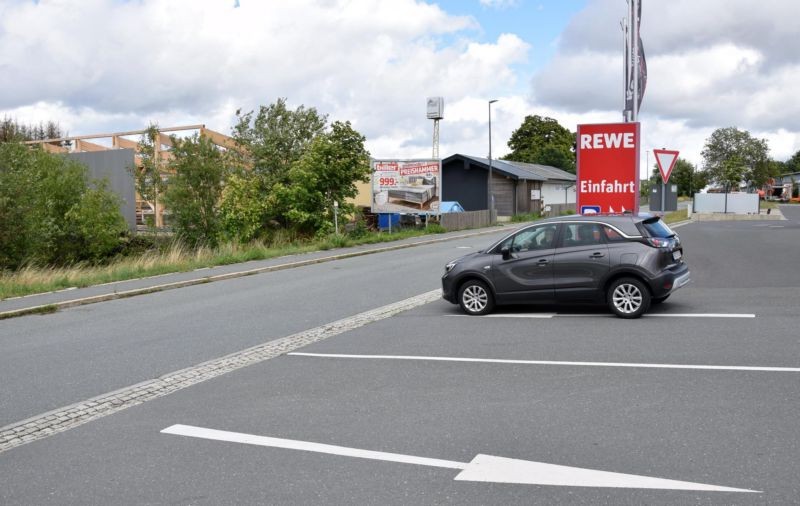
(49, 213)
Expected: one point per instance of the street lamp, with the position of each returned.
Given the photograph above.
(489, 184)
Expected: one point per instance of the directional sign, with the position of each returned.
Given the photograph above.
(665, 159)
(483, 468)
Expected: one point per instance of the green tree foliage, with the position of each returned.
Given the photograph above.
(276, 137)
(543, 141)
(12, 131)
(243, 207)
(324, 174)
(49, 214)
(792, 164)
(731, 155)
(195, 188)
(684, 174)
(95, 225)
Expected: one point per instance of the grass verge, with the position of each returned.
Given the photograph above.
(178, 258)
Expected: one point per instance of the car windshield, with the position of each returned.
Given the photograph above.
(657, 228)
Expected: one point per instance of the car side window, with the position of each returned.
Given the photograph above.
(582, 234)
(612, 235)
(530, 239)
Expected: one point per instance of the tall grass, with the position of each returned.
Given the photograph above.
(177, 257)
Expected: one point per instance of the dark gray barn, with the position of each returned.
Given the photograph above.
(514, 184)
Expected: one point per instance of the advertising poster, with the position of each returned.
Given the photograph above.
(608, 168)
(406, 186)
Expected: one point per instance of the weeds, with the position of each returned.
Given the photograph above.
(165, 258)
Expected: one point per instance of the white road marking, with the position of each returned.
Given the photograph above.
(552, 362)
(604, 315)
(520, 315)
(291, 444)
(483, 468)
(700, 315)
(463, 247)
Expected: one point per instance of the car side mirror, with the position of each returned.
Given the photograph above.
(506, 252)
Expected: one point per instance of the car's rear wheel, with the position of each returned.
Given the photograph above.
(475, 298)
(659, 300)
(628, 298)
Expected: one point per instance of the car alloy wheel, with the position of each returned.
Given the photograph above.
(475, 298)
(629, 298)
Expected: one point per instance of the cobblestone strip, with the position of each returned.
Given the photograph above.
(69, 417)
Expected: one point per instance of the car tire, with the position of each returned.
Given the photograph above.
(475, 298)
(659, 300)
(628, 298)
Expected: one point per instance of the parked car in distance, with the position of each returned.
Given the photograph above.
(627, 262)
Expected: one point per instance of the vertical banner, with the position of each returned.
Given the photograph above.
(633, 60)
(406, 186)
(608, 168)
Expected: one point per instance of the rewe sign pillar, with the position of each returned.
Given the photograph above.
(608, 168)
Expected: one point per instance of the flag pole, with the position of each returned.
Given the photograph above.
(635, 56)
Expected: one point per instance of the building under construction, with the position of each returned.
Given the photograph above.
(116, 169)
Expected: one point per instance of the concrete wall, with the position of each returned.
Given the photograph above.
(736, 203)
(113, 165)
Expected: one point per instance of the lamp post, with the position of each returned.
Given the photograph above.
(489, 184)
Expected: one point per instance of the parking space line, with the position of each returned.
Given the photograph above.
(603, 315)
(550, 362)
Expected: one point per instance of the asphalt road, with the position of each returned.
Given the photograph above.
(710, 424)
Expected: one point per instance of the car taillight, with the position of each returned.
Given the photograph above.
(660, 242)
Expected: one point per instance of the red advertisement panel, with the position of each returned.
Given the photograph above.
(608, 168)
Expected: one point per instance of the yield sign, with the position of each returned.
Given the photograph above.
(665, 159)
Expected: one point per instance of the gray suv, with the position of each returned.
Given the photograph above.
(628, 262)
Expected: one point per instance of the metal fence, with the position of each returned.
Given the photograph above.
(468, 219)
(736, 203)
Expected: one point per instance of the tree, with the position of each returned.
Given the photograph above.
(277, 136)
(687, 178)
(544, 141)
(326, 173)
(194, 191)
(149, 182)
(12, 131)
(793, 163)
(730, 153)
(243, 208)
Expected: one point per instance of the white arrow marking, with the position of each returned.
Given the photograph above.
(485, 468)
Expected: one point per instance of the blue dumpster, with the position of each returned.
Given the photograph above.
(385, 219)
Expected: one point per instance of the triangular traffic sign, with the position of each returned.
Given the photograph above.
(665, 159)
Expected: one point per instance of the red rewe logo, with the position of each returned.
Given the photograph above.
(608, 167)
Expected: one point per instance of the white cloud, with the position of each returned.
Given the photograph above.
(106, 65)
(711, 64)
(499, 4)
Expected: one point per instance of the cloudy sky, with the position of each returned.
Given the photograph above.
(113, 65)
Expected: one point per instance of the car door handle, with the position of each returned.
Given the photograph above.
(543, 262)
(597, 254)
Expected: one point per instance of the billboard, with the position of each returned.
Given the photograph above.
(406, 186)
(608, 168)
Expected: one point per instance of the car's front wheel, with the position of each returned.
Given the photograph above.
(475, 298)
(628, 298)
